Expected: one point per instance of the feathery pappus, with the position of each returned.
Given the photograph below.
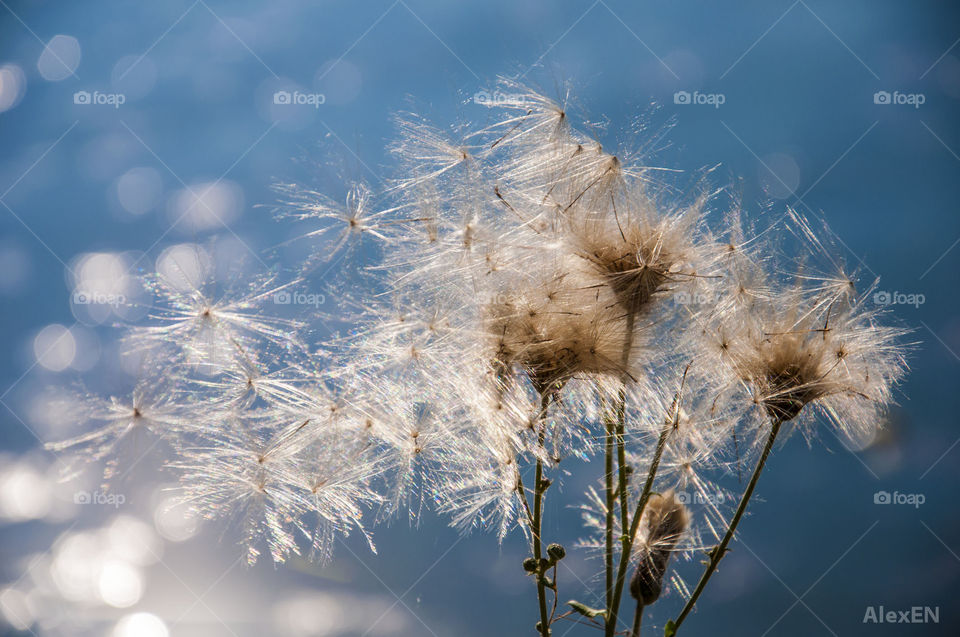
(535, 301)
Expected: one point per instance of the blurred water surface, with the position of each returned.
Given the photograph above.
(129, 131)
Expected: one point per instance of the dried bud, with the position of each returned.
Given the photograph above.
(665, 520)
(530, 565)
(556, 552)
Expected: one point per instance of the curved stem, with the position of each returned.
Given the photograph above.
(718, 551)
(556, 595)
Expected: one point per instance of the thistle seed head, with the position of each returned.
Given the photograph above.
(556, 331)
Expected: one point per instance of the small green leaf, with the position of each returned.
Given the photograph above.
(585, 610)
(670, 629)
(714, 553)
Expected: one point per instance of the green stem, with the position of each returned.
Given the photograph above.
(537, 523)
(622, 422)
(613, 600)
(635, 524)
(622, 457)
(610, 497)
(637, 621)
(718, 552)
(672, 422)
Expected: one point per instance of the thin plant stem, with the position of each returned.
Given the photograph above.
(637, 621)
(526, 502)
(610, 500)
(671, 424)
(537, 524)
(635, 523)
(622, 422)
(718, 552)
(619, 427)
(556, 595)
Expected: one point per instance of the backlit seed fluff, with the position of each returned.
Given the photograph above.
(517, 282)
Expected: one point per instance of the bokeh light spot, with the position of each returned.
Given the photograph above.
(60, 58)
(140, 625)
(13, 84)
(54, 347)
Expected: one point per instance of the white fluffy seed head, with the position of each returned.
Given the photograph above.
(519, 266)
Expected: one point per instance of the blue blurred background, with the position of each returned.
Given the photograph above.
(843, 110)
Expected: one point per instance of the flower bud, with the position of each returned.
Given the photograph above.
(556, 552)
(665, 521)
